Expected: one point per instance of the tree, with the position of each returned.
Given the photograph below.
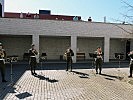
(128, 15)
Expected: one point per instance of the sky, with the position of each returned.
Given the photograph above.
(97, 9)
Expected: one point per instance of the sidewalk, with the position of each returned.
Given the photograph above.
(81, 84)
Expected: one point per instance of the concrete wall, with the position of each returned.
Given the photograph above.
(117, 46)
(63, 28)
(16, 45)
(89, 45)
(54, 46)
(50, 32)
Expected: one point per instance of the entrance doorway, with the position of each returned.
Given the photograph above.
(127, 49)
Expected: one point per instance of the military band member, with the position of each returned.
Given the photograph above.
(33, 63)
(131, 63)
(99, 60)
(68, 54)
(2, 62)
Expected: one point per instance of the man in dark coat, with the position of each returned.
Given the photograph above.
(68, 54)
(33, 63)
(131, 63)
(2, 62)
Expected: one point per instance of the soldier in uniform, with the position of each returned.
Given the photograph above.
(68, 54)
(2, 62)
(131, 63)
(33, 63)
(99, 60)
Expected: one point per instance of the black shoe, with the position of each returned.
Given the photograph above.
(71, 70)
(32, 73)
(96, 72)
(130, 76)
(66, 70)
(35, 73)
(100, 73)
(4, 81)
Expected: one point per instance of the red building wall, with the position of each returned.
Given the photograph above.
(41, 16)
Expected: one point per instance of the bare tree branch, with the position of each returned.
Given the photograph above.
(125, 15)
(128, 18)
(123, 29)
(127, 4)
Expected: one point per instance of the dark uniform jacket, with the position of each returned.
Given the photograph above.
(69, 54)
(32, 60)
(131, 58)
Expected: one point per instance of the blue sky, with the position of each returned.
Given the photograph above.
(97, 9)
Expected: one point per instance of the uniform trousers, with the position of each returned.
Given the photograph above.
(99, 65)
(69, 63)
(131, 67)
(2, 69)
(33, 64)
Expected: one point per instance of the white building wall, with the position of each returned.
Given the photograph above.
(89, 45)
(117, 46)
(54, 46)
(16, 45)
(10, 26)
(74, 47)
(106, 48)
(62, 28)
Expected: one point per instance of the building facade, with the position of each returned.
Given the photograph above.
(55, 36)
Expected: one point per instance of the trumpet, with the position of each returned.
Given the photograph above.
(2, 54)
(34, 52)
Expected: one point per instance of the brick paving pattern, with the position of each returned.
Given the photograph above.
(81, 84)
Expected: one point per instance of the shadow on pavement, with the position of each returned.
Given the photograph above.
(46, 79)
(18, 70)
(111, 76)
(80, 73)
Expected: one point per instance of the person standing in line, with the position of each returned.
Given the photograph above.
(68, 54)
(99, 60)
(28, 15)
(32, 61)
(21, 15)
(36, 16)
(2, 62)
(89, 19)
(130, 54)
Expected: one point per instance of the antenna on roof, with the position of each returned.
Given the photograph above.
(104, 19)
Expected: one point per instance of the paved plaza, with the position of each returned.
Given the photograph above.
(57, 84)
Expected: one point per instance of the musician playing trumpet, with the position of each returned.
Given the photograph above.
(130, 54)
(33, 63)
(99, 60)
(2, 62)
(68, 54)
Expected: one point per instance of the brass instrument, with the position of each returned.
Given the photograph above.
(2, 55)
(34, 52)
(99, 53)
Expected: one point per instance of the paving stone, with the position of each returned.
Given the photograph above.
(81, 84)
